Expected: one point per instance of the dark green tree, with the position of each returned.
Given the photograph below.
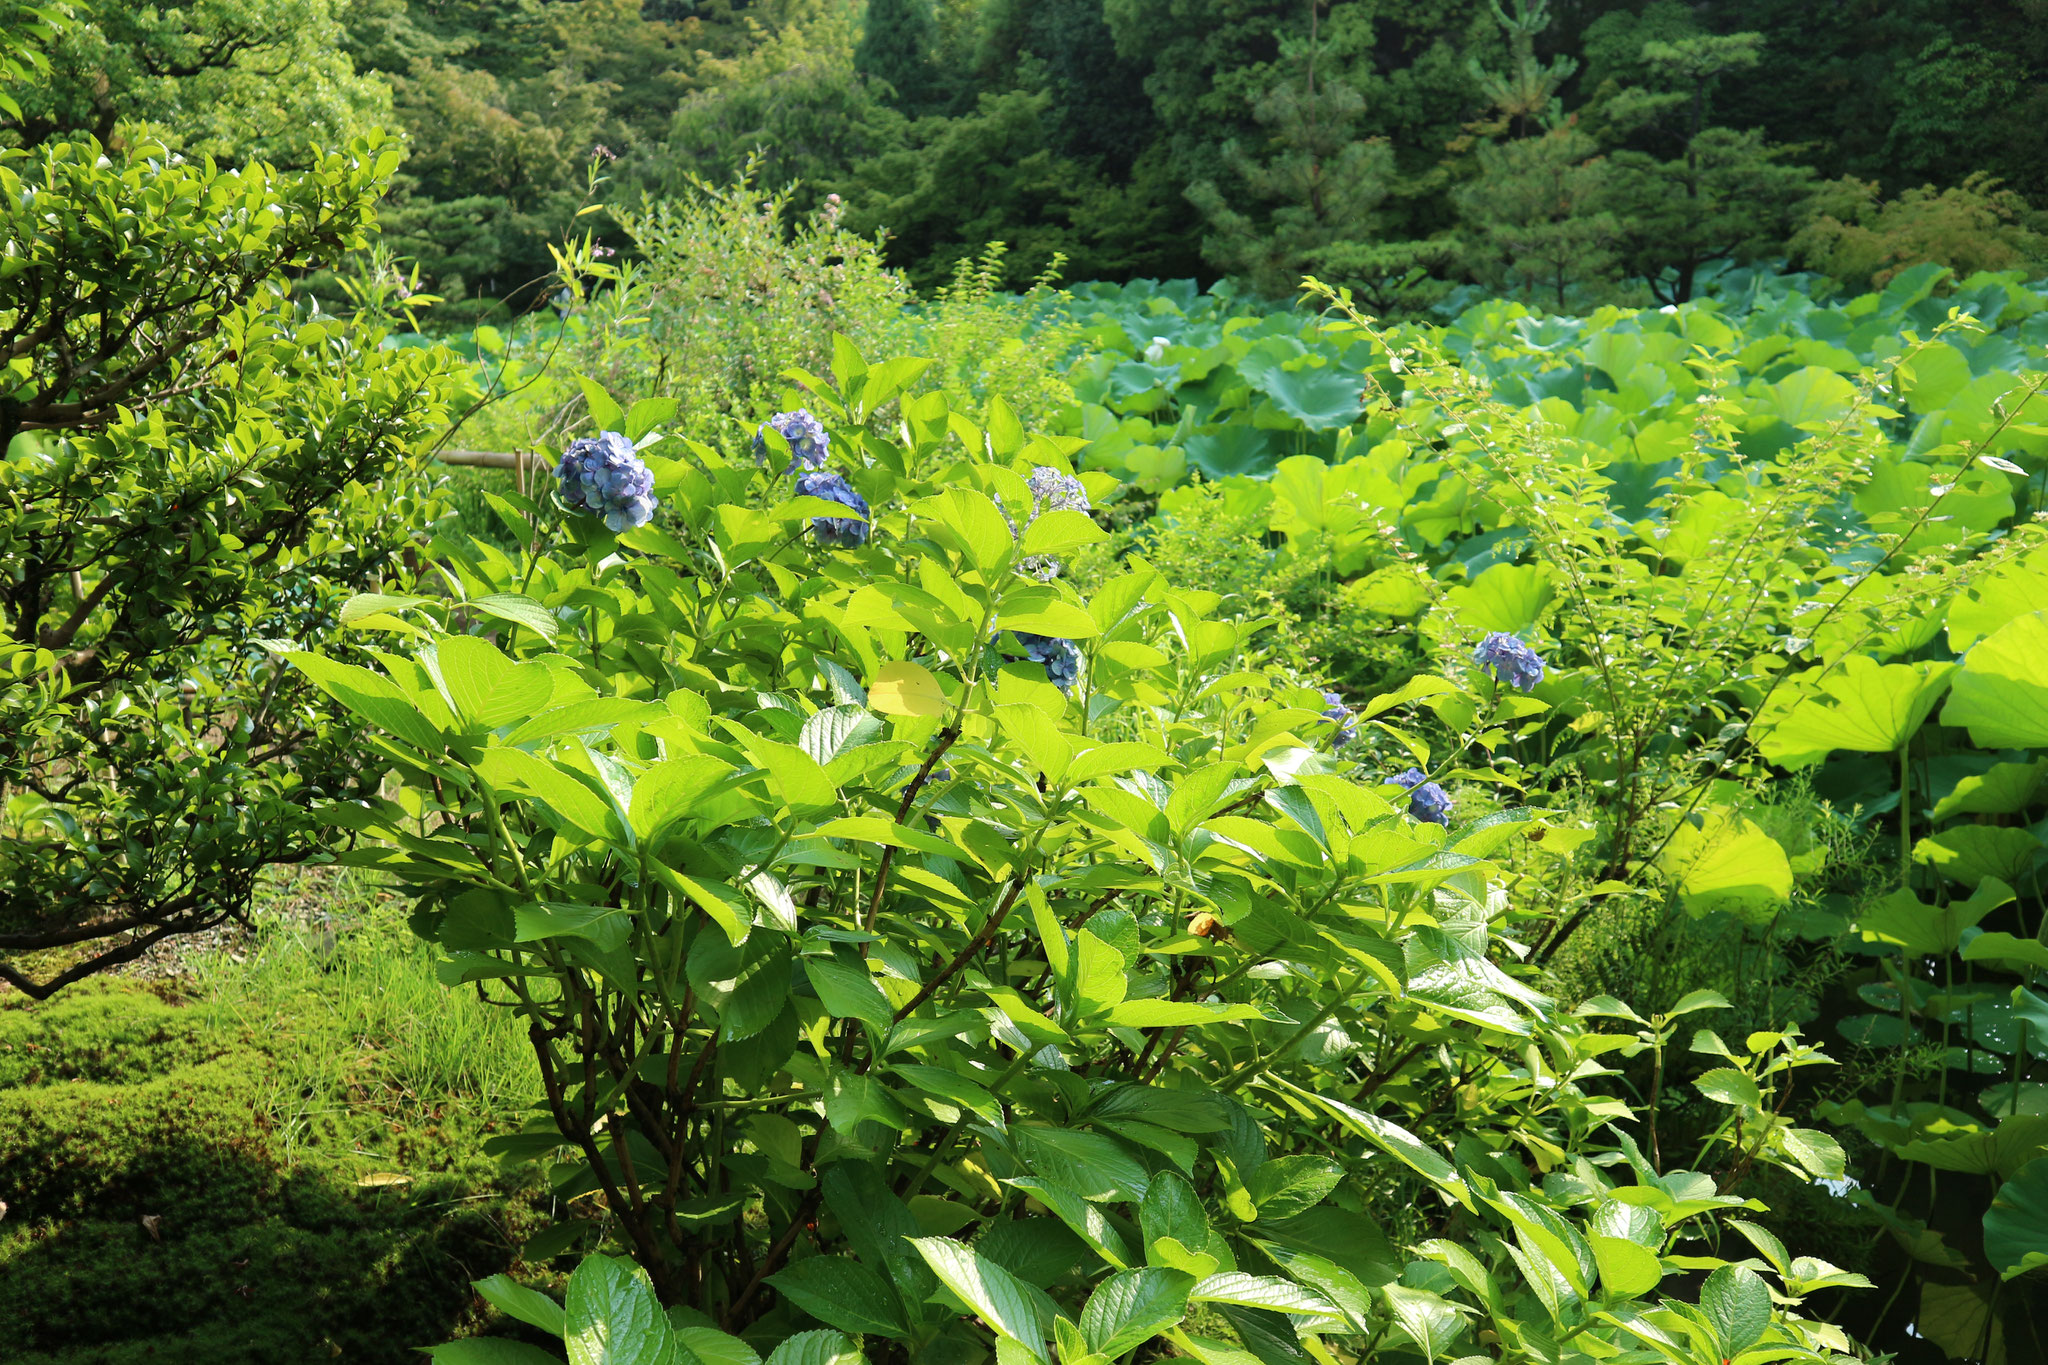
(230, 79)
(1538, 221)
(899, 48)
(1688, 191)
(1306, 198)
(1524, 92)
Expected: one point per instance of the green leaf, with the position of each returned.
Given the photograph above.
(2016, 1224)
(2007, 948)
(1171, 1208)
(842, 1292)
(515, 1300)
(515, 770)
(1175, 1013)
(1397, 1141)
(1860, 705)
(1906, 921)
(711, 1346)
(367, 604)
(1006, 1303)
(728, 909)
(591, 715)
(1729, 1086)
(852, 1099)
(521, 611)
(2003, 789)
(1059, 530)
(1694, 1001)
(375, 698)
(836, 729)
(485, 686)
(1320, 398)
(747, 985)
(613, 1317)
(2001, 694)
(816, 1348)
(1292, 1184)
(646, 415)
(975, 522)
(1088, 1223)
(490, 1351)
(876, 829)
(672, 789)
(1093, 1165)
(1260, 1291)
(1506, 597)
(848, 991)
(604, 412)
(606, 926)
(1131, 1307)
(1981, 854)
(1725, 862)
(953, 1088)
(1429, 1320)
(1626, 1270)
(1737, 1303)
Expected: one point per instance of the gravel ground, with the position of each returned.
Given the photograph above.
(315, 901)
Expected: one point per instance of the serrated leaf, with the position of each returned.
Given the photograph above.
(1131, 1307)
(842, 1292)
(1007, 1304)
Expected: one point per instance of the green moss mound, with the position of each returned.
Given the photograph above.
(275, 1163)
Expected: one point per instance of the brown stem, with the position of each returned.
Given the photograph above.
(974, 945)
(946, 738)
(772, 1261)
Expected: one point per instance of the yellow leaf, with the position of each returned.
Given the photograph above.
(377, 1180)
(906, 690)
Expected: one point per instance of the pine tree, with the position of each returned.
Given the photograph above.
(1312, 197)
(1709, 192)
(1538, 220)
(1525, 95)
(898, 48)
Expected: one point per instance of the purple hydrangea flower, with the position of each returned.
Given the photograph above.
(1339, 715)
(808, 443)
(603, 476)
(1060, 659)
(1050, 491)
(845, 532)
(1509, 660)
(1426, 800)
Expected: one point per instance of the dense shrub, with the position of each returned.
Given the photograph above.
(194, 466)
(906, 938)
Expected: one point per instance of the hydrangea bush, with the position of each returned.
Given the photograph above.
(898, 991)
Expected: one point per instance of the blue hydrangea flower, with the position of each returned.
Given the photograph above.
(1509, 660)
(1426, 800)
(603, 476)
(1050, 491)
(1339, 715)
(1060, 658)
(844, 532)
(808, 443)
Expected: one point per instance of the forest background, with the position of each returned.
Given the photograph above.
(1581, 152)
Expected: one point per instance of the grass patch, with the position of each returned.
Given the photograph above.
(275, 1158)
